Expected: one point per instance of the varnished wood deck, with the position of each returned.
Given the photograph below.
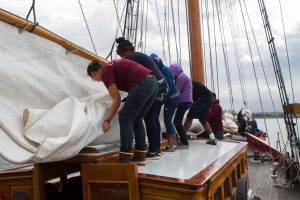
(261, 183)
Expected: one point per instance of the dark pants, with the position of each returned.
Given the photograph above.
(153, 126)
(181, 109)
(138, 102)
(200, 108)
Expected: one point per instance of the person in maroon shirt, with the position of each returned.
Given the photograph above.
(214, 118)
(142, 88)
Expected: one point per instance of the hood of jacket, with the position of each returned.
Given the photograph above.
(176, 69)
(157, 60)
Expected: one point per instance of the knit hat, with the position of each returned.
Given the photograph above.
(123, 45)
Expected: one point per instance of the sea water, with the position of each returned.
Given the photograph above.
(277, 133)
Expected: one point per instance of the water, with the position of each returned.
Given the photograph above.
(274, 132)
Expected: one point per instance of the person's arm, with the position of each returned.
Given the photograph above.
(116, 100)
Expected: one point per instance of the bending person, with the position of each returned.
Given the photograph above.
(184, 85)
(203, 100)
(126, 50)
(142, 88)
(214, 118)
(171, 103)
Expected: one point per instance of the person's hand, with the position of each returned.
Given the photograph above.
(106, 126)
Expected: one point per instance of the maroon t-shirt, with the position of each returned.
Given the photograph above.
(124, 73)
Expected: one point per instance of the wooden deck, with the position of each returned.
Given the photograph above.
(261, 183)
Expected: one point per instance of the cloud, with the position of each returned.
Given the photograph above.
(65, 19)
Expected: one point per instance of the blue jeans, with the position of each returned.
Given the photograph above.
(169, 111)
(153, 126)
(181, 109)
(138, 102)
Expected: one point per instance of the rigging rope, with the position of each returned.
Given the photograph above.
(188, 32)
(163, 44)
(140, 43)
(255, 75)
(32, 8)
(146, 28)
(118, 26)
(179, 31)
(168, 32)
(174, 29)
(288, 59)
(264, 72)
(240, 66)
(216, 53)
(236, 46)
(209, 46)
(203, 38)
(224, 48)
(87, 27)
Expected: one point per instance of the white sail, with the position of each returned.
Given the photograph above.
(36, 73)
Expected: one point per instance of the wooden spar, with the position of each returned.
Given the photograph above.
(196, 52)
(44, 33)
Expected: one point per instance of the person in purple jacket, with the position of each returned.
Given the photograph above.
(184, 85)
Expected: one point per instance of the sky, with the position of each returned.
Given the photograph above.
(65, 19)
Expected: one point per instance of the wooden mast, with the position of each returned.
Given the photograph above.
(196, 52)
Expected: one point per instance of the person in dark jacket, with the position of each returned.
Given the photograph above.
(203, 100)
(125, 49)
(214, 118)
(171, 103)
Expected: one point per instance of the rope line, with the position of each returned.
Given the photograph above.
(87, 27)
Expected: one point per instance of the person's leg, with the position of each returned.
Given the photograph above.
(188, 123)
(181, 109)
(169, 110)
(138, 125)
(158, 129)
(151, 126)
(137, 97)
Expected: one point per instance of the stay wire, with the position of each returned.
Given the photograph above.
(255, 75)
(209, 46)
(162, 40)
(235, 45)
(204, 46)
(87, 27)
(146, 28)
(236, 32)
(289, 64)
(174, 29)
(179, 30)
(188, 31)
(118, 26)
(168, 31)
(216, 53)
(263, 69)
(140, 43)
(224, 47)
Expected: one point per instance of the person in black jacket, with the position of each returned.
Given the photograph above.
(203, 99)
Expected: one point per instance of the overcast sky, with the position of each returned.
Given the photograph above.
(64, 18)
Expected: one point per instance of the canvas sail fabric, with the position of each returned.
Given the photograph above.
(63, 108)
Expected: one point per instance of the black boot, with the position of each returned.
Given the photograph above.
(139, 157)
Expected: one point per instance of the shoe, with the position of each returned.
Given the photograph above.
(212, 141)
(159, 152)
(125, 157)
(152, 156)
(169, 150)
(139, 157)
(182, 146)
